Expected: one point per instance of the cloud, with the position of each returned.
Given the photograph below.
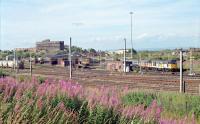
(94, 22)
(141, 36)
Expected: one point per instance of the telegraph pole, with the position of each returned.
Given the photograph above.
(14, 60)
(181, 70)
(30, 65)
(131, 13)
(140, 63)
(100, 58)
(191, 62)
(125, 55)
(70, 59)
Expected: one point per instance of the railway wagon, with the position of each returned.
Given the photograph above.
(84, 62)
(6, 64)
(11, 64)
(159, 65)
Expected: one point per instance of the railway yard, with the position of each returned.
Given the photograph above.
(154, 75)
(100, 62)
(96, 77)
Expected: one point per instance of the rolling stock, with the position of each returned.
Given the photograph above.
(11, 64)
(158, 65)
(84, 62)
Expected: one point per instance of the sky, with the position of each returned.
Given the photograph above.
(101, 24)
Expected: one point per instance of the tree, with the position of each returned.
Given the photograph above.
(134, 51)
(91, 50)
(74, 49)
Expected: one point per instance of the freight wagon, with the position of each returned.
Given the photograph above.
(11, 64)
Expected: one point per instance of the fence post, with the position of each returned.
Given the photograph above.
(184, 86)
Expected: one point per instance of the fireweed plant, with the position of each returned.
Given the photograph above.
(58, 102)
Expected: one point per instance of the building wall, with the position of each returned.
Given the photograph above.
(26, 49)
(115, 66)
(195, 49)
(50, 45)
(120, 51)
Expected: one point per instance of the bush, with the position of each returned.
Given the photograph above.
(41, 79)
(21, 78)
(3, 73)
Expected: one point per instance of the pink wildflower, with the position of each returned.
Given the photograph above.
(39, 103)
(61, 106)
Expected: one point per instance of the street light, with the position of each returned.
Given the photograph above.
(131, 13)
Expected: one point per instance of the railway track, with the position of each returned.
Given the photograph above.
(93, 78)
(117, 77)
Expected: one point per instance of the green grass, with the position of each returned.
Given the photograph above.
(176, 104)
(136, 98)
(3, 73)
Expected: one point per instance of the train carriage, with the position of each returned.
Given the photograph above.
(165, 66)
(159, 65)
(172, 65)
(153, 65)
(11, 64)
(4, 64)
(84, 62)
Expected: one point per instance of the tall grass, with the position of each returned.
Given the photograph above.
(174, 105)
(55, 102)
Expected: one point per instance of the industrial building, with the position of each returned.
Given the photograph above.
(48, 45)
(25, 49)
(118, 66)
(194, 49)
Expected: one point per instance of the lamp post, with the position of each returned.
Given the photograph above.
(131, 13)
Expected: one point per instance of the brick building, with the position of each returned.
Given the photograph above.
(194, 49)
(26, 49)
(48, 45)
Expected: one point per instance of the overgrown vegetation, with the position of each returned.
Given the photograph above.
(3, 73)
(53, 101)
(137, 98)
(174, 105)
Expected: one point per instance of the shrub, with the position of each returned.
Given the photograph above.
(3, 73)
(41, 79)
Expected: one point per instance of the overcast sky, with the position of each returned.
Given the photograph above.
(101, 24)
